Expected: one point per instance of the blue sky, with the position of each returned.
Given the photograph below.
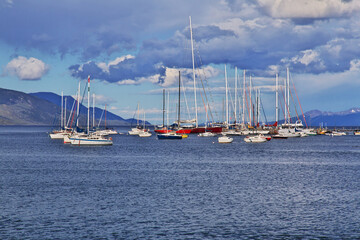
(134, 49)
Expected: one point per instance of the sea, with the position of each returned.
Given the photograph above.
(194, 188)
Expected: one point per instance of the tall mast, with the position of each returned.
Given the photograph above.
(288, 91)
(93, 122)
(243, 99)
(277, 98)
(193, 65)
(105, 116)
(235, 95)
(65, 125)
(137, 114)
(258, 107)
(88, 105)
(62, 110)
(179, 102)
(163, 107)
(78, 107)
(286, 107)
(226, 100)
(167, 112)
(251, 105)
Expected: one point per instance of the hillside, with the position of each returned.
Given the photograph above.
(43, 108)
(18, 108)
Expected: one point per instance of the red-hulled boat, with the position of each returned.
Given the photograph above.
(162, 130)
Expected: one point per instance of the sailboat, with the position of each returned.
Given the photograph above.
(162, 128)
(89, 138)
(138, 129)
(145, 133)
(196, 129)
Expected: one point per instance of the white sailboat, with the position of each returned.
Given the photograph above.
(145, 133)
(90, 139)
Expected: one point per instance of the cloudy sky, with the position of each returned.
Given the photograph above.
(132, 49)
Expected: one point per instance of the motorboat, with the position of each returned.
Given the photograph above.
(255, 139)
(207, 134)
(225, 139)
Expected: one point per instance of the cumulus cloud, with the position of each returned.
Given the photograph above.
(26, 68)
(309, 8)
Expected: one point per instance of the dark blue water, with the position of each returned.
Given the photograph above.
(195, 188)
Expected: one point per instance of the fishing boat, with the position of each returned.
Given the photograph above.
(225, 139)
(170, 136)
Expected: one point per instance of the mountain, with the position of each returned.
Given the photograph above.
(43, 108)
(349, 117)
(111, 119)
(18, 108)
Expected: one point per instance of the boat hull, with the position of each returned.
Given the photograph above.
(170, 137)
(90, 142)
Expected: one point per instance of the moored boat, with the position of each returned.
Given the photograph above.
(256, 139)
(225, 139)
(170, 135)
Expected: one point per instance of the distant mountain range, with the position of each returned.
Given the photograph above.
(346, 118)
(44, 108)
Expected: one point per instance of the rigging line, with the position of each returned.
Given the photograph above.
(71, 111)
(247, 106)
(292, 98)
(299, 102)
(103, 114)
(82, 99)
(207, 85)
(262, 106)
(203, 87)
(285, 105)
(185, 98)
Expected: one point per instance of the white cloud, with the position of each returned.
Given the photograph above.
(309, 8)
(172, 75)
(106, 66)
(26, 69)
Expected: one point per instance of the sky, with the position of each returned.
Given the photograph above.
(133, 49)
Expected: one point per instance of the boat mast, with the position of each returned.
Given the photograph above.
(243, 99)
(251, 104)
(258, 107)
(226, 100)
(193, 65)
(88, 116)
(235, 95)
(78, 107)
(277, 98)
(137, 123)
(163, 107)
(179, 102)
(167, 112)
(288, 92)
(93, 123)
(62, 111)
(65, 125)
